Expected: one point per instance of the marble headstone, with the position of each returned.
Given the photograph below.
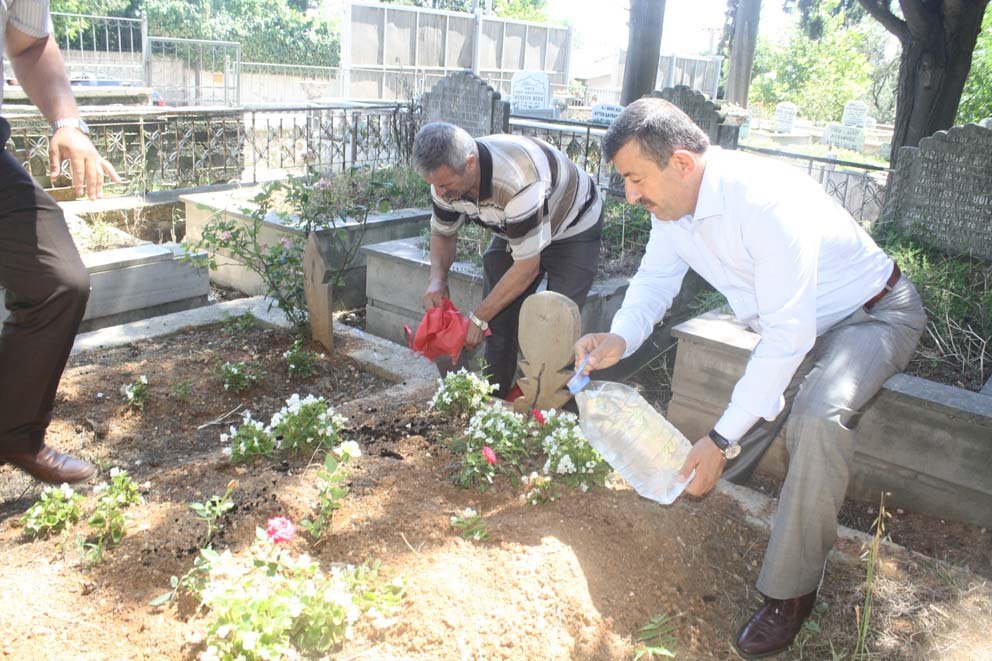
(605, 113)
(855, 113)
(785, 117)
(530, 90)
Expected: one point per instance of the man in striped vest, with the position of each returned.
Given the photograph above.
(545, 216)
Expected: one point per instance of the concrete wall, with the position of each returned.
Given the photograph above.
(928, 445)
(204, 208)
(134, 283)
(399, 271)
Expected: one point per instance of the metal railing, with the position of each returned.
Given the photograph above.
(101, 49)
(190, 72)
(175, 149)
(859, 187)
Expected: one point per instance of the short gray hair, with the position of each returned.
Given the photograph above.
(659, 128)
(440, 143)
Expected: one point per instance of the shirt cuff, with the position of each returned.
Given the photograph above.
(734, 423)
(629, 333)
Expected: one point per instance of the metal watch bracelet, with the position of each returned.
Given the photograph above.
(483, 325)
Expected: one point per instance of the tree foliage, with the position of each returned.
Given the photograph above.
(819, 76)
(976, 99)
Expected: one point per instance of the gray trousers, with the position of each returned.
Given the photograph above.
(47, 287)
(570, 265)
(839, 376)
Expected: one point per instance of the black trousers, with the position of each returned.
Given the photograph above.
(570, 266)
(47, 287)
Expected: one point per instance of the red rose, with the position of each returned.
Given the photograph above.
(538, 416)
(490, 455)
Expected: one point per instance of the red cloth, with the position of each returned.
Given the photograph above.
(441, 332)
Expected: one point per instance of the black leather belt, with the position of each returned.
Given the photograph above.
(889, 284)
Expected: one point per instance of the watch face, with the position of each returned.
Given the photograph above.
(732, 451)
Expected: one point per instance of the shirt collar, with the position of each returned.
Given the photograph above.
(485, 171)
(710, 202)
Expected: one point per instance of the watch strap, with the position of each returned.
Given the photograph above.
(720, 440)
(483, 325)
(72, 122)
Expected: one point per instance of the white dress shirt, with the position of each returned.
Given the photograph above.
(789, 259)
(30, 17)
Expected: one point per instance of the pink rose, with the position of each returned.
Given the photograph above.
(538, 416)
(490, 455)
(280, 529)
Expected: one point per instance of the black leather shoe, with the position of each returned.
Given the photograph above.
(772, 629)
(51, 466)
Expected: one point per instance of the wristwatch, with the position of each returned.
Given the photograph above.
(74, 122)
(729, 448)
(483, 325)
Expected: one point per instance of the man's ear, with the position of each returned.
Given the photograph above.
(684, 162)
(471, 162)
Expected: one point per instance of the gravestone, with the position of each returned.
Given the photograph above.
(550, 325)
(845, 137)
(855, 114)
(465, 100)
(605, 113)
(705, 113)
(870, 122)
(986, 123)
(785, 117)
(530, 90)
(941, 191)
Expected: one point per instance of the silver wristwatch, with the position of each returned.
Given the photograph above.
(74, 122)
(730, 449)
(483, 325)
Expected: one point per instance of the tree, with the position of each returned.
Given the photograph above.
(938, 38)
(268, 30)
(743, 30)
(643, 48)
(820, 75)
(976, 98)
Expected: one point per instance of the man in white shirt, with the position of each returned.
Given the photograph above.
(46, 284)
(835, 315)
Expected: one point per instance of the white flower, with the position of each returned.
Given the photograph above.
(228, 451)
(143, 379)
(348, 448)
(115, 471)
(67, 491)
(248, 640)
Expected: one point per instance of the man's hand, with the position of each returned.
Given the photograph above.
(475, 336)
(603, 349)
(708, 462)
(88, 167)
(436, 292)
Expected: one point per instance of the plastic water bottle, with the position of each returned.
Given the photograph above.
(636, 440)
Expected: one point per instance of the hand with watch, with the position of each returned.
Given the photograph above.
(478, 330)
(70, 142)
(707, 458)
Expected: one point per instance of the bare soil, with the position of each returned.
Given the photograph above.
(572, 579)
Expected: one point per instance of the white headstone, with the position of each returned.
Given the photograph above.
(785, 117)
(605, 113)
(855, 113)
(870, 122)
(845, 137)
(530, 90)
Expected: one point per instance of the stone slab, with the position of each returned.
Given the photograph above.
(927, 444)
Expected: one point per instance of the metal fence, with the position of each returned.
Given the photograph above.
(166, 150)
(859, 187)
(101, 49)
(193, 72)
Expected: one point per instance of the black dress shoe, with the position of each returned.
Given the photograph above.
(772, 629)
(51, 466)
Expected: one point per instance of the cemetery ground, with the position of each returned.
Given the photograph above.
(574, 578)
